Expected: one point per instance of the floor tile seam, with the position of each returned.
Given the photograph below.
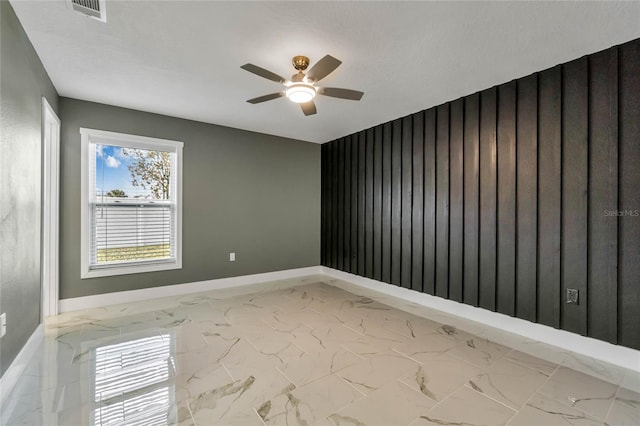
(320, 377)
(522, 364)
(460, 358)
(526, 348)
(561, 402)
(466, 384)
(406, 356)
(343, 324)
(289, 379)
(353, 383)
(309, 325)
(331, 420)
(515, 413)
(613, 400)
(301, 349)
(587, 415)
(258, 415)
(394, 331)
(616, 386)
(342, 346)
(362, 395)
(592, 374)
(353, 329)
(349, 383)
(228, 371)
(539, 387)
(542, 385)
(193, 419)
(444, 398)
(449, 355)
(419, 393)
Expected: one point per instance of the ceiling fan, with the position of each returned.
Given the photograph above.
(302, 87)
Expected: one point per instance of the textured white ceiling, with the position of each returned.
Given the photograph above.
(182, 58)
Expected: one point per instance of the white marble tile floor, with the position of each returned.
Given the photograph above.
(306, 351)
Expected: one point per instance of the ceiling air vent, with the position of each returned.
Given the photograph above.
(92, 8)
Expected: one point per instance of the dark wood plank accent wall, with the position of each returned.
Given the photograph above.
(628, 299)
(442, 201)
(456, 201)
(504, 199)
(506, 254)
(549, 195)
(471, 198)
(417, 208)
(488, 228)
(526, 196)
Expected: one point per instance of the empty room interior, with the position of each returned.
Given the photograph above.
(341, 213)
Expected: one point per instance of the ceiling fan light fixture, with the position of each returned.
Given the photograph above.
(300, 93)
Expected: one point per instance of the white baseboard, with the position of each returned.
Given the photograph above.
(614, 354)
(598, 349)
(19, 364)
(106, 299)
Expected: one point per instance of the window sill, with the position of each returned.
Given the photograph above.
(131, 269)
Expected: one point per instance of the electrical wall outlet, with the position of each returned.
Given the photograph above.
(573, 296)
(3, 324)
(232, 257)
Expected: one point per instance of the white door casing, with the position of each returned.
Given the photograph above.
(50, 216)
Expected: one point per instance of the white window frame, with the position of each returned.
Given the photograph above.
(102, 137)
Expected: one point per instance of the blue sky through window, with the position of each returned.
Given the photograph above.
(112, 172)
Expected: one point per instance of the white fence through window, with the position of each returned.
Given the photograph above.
(132, 230)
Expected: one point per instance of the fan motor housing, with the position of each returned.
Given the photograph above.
(300, 62)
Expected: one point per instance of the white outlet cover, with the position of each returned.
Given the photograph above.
(3, 324)
(232, 257)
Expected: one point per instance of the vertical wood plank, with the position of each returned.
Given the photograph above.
(488, 198)
(386, 202)
(629, 201)
(549, 196)
(429, 255)
(407, 176)
(506, 214)
(365, 207)
(575, 114)
(456, 197)
(442, 201)
(355, 213)
(527, 201)
(346, 213)
(603, 196)
(323, 203)
(396, 201)
(377, 202)
(340, 218)
(471, 197)
(334, 210)
(417, 220)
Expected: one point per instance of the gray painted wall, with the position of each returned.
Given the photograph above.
(253, 194)
(23, 83)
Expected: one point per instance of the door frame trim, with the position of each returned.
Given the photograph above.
(50, 210)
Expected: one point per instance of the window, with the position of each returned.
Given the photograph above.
(131, 204)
